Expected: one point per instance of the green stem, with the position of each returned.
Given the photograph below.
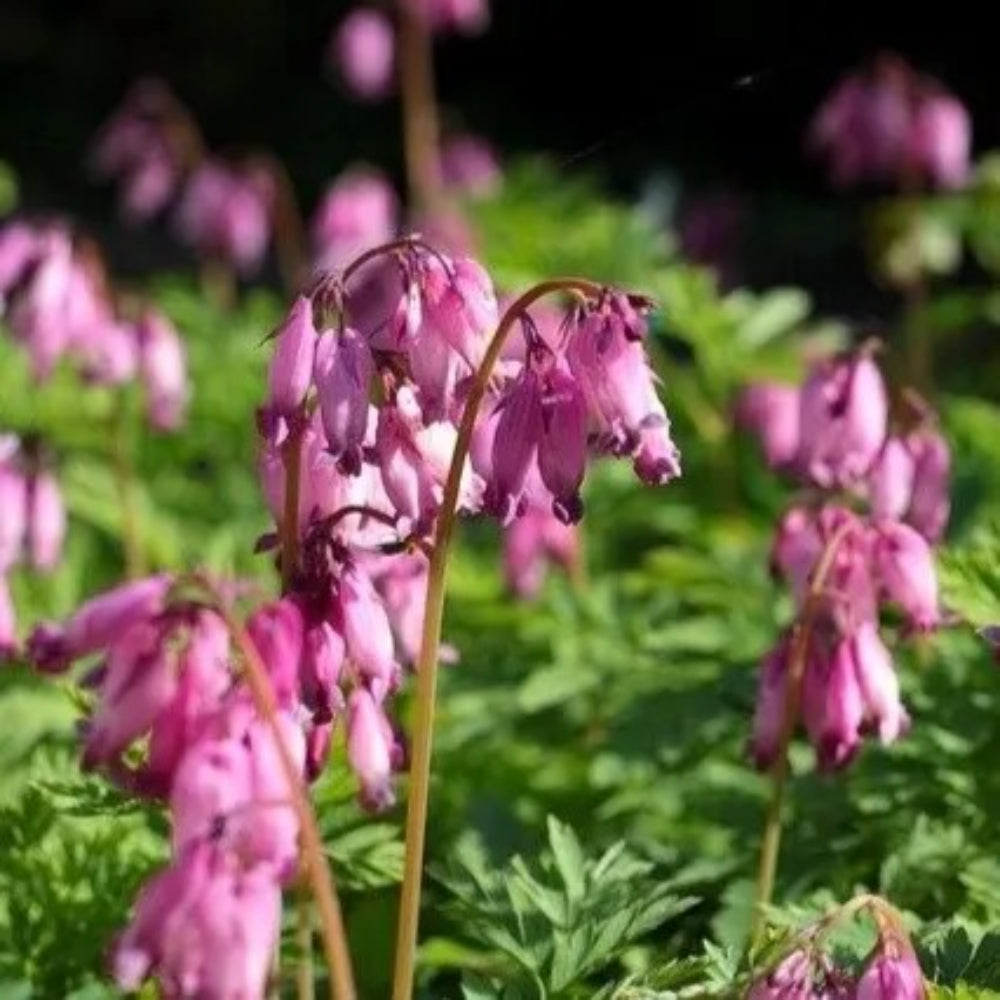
(124, 472)
(304, 986)
(771, 840)
(427, 663)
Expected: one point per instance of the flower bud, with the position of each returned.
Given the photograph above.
(905, 568)
(291, 371)
(46, 521)
(562, 444)
(771, 412)
(364, 49)
(344, 370)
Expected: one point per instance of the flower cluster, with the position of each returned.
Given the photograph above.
(891, 125)
(56, 301)
(145, 146)
(367, 393)
(226, 212)
(172, 722)
(890, 972)
(861, 536)
(223, 209)
(32, 523)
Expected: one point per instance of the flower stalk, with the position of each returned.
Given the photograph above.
(771, 841)
(427, 664)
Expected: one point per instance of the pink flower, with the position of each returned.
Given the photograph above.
(459, 303)
(212, 781)
(46, 521)
(205, 927)
(890, 482)
(203, 679)
(14, 515)
(97, 623)
(163, 368)
(657, 459)
(469, 165)
(796, 549)
(364, 49)
(562, 444)
(344, 370)
(8, 621)
(359, 210)
(930, 504)
(367, 632)
(905, 568)
(791, 979)
(515, 444)
(892, 975)
(137, 148)
(606, 357)
(772, 699)
(278, 632)
(832, 705)
(771, 412)
(38, 315)
(941, 140)
(879, 684)
(532, 540)
(371, 749)
(843, 419)
(140, 681)
(225, 212)
(291, 370)
(19, 247)
(323, 656)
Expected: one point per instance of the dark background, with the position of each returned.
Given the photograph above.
(718, 90)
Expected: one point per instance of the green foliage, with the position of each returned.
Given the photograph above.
(557, 922)
(622, 706)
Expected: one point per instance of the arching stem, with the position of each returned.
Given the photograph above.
(427, 663)
(798, 655)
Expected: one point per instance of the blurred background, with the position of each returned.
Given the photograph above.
(708, 97)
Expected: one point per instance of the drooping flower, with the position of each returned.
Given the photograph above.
(46, 527)
(205, 926)
(842, 420)
(344, 369)
(770, 411)
(225, 212)
(291, 371)
(97, 623)
(358, 211)
(905, 569)
(363, 49)
(371, 749)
